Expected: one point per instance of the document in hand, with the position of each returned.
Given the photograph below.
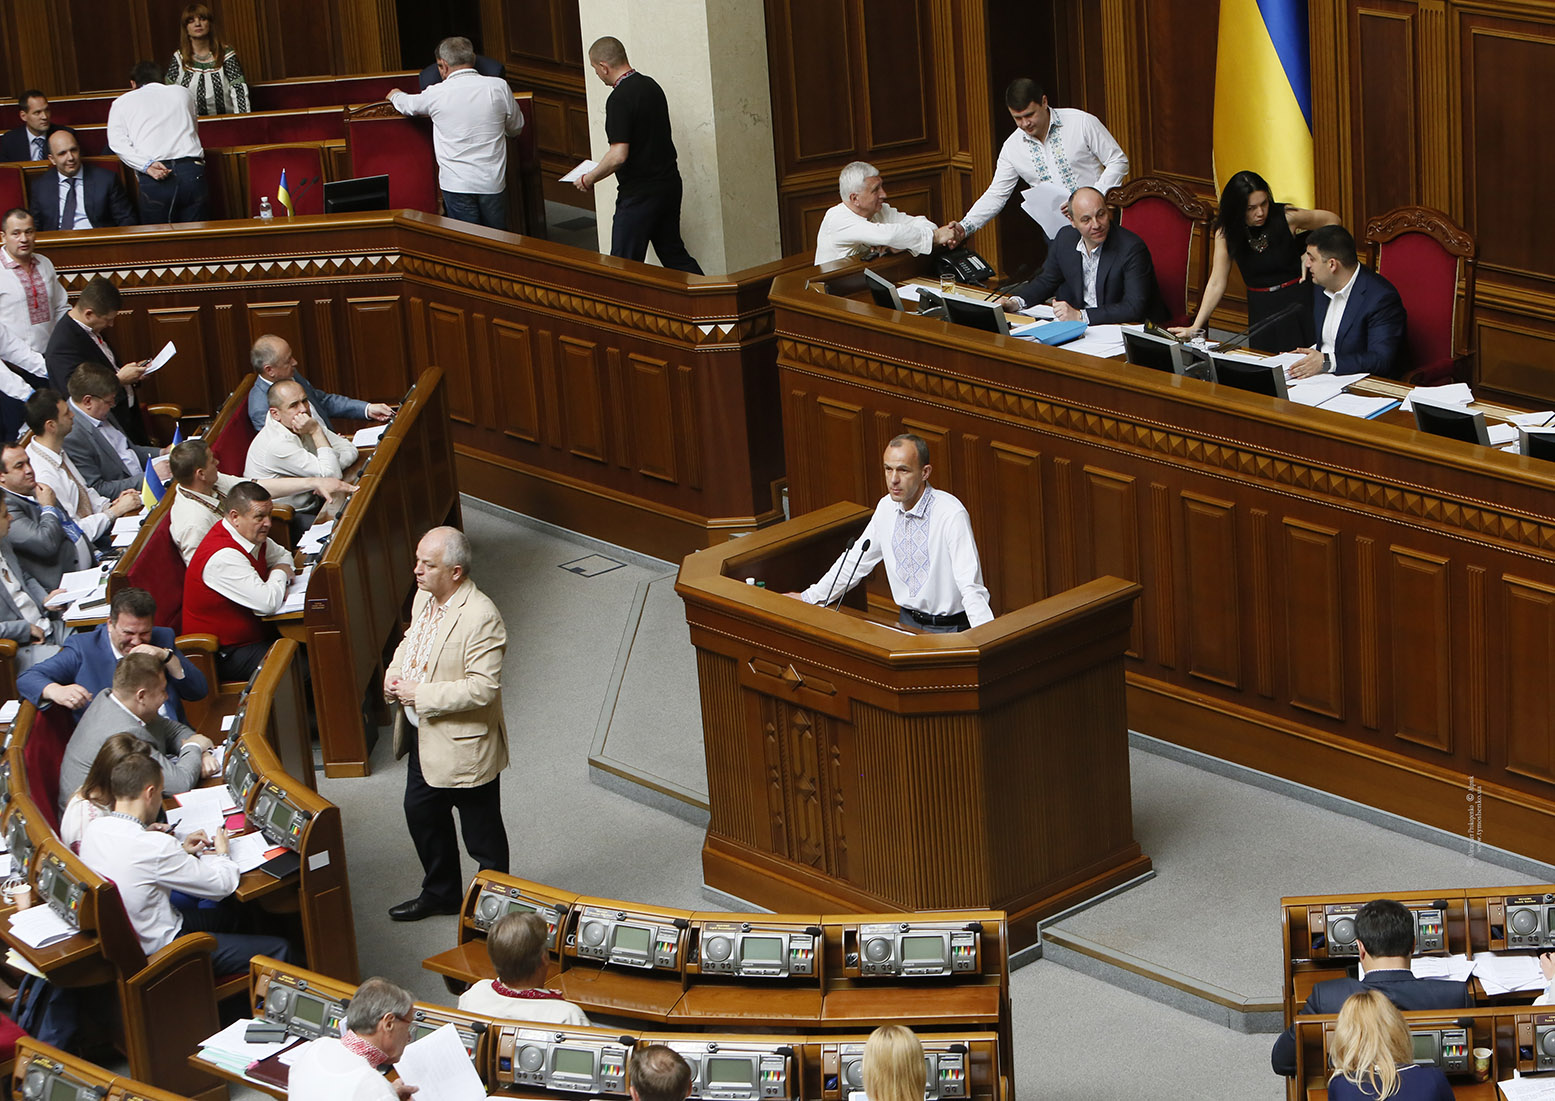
(577, 173)
(440, 1069)
(159, 360)
(1045, 203)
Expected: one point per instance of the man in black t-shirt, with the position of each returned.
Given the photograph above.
(642, 156)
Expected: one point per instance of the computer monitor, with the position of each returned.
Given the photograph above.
(1537, 442)
(883, 291)
(362, 193)
(1155, 352)
(1241, 375)
(1455, 424)
(988, 316)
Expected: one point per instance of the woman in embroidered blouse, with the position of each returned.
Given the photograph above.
(208, 67)
(517, 947)
(93, 799)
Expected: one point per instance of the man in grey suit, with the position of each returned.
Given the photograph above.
(23, 617)
(272, 361)
(40, 530)
(99, 448)
(133, 706)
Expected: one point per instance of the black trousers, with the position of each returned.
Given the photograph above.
(646, 218)
(429, 812)
(239, 662)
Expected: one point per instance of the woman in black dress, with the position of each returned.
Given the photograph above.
(1263, 237)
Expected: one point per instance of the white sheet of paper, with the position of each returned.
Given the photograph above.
(129, 524)
(1454, 396)
(159, 360)
(369, 437)
(1503, 974)
(314, 537)
(1358, 405)
(1458, 967)
(1041, 311)
(297, 591)
(1532, 420)
(248, 851)
(230, 1039)
(9, 710)
(577, 173)
(1316, 389)
(39, 925)
(1518, 1088)
(1501, 434)
(440, 1069)
(76, 585)
(1045, 203)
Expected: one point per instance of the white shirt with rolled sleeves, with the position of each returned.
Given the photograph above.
(844, 233)
(472, 118)
(155, 122)
(146, 865)
(955, 574)
(1079, 152)
(230, 574)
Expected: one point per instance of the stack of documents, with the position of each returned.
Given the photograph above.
(1454, 396)
(86, 594)
(296, 592)
(252, 849)
(201, 809)
(1504, 974)
(39, 926)
(1518, 1088)
(1458, 967)
(228, 1050)
(125, 528)
(315, 536)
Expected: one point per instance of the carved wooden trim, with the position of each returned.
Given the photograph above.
(1159, 187)
(1352, 490)
(318, 269)
(1421, 219)
(369, 112)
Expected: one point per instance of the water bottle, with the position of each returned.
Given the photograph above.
(265, 213)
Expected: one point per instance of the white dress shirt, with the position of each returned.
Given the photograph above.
(16, 316)
(483, 998)
(23, 600)
(1337, 300)
(954, 576)
(55, 470)
(155, 122)
(1090, 264)
(278, 452)
(472, 117)
(1078, 152)
(193, 514)
(844, 233)
(78, 181)
(234, 577)
(115, 437)
(326, 1071)
(145, 865)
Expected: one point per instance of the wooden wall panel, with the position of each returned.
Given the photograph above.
(1112, 536)
(1419, 622)
(375, 334)
(1179, 108)
(1315, 617)
(652, 422)
(899, 76)
(841, 452)
(583, 393)
(1016, 482)
(517, 394)
(1529, 720)
(540, 44)
(449, 342)
(1388, 169)
(1210, 541)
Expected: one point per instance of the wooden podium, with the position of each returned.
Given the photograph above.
(855, 767)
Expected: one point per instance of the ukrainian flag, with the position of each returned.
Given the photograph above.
(1263, 97)
(285, 196)
(151, 489)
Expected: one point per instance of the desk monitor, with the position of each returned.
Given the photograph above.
(988, 316)
(883, 291)
(1154, 352)
(1455, 424)
(1255, 377)
(576, 1060)
(362, 193)
(1537, 442)
(733, 1069)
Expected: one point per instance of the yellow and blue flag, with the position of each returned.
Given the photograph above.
(152, 488)
(285, 196)
(1263, 97)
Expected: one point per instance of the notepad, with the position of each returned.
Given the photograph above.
(39, 926)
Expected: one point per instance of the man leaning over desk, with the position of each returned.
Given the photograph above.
(924, 536)
(1095, 272)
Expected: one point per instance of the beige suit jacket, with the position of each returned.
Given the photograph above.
(463, 741)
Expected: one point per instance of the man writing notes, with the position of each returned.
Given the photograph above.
(1095, 272)
(1051, 145)
(924, 536)
(446, 677)
(864, 224)
(642, 158)
(472, 118)
(1358, 315)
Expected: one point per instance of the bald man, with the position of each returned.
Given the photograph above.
(294, 444)
(446, 680)
(273, 361)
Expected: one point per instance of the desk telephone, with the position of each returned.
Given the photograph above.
(967, 266)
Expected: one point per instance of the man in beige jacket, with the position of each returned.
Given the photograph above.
(446, 677)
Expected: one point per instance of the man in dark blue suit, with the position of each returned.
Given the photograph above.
(93, 196)
(1095, 271)
(85, 663)
(1385, 935)
(1358, 315)
(29, 141)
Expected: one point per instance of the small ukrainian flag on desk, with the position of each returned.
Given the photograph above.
(1263, 96)
(284, 197)
(152, 488)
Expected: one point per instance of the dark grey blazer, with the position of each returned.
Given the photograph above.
(99, 464)
(13, 624)
(39, 540)
(105, 718)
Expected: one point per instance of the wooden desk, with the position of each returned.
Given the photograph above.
(1353, 606)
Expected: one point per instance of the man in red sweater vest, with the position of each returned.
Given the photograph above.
(238, 575)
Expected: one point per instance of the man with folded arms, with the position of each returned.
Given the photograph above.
(46, 541)
(238, 575)
(1095, 272)
(200, 489)
(51, 418)
(85, 663)
(293, 444)
(133, 705)
(864, 224)
(351, 1068)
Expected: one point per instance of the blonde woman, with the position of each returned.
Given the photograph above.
(893, 1065)
(1374, 1058)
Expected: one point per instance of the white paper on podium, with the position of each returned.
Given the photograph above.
(1045, 203)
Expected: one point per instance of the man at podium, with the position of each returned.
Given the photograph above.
(924, 536)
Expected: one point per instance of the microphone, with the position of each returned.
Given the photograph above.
(1247, 334)
(861, 551)
(827, 602)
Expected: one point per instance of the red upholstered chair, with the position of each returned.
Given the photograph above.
(159, 569)
(13, 191)
(1166, 216)
(1426, 255)
(231, 443)
(43, 738)
(304, 168)
(381, 141)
